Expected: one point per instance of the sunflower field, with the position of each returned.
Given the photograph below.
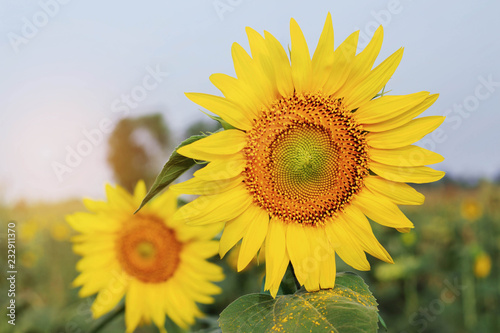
(444, 277)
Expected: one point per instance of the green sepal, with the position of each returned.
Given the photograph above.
(176, 165)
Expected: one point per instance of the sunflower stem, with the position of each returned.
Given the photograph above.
(107, 319)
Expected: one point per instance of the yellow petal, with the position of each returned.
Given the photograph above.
(90, 223)
(364, 61)
(96, 261)
(119, 198)
(342, 61)
(322, 60)
(252, 74)
(381, 210)
(226, 142)
(199, 186)
(346, 245)
(387, 107)
(93, 280)
(134, 305)
(403, 118)
(281, 64)
(164, 204)
(108, 297)
(318, 246)
(238, 92)
(273, 285)
(214, 208)
(154, 311)
(181, 306)
(275, 250)
(223, 108)
(373, 82)
(357, 224)
(260, 53)
(405, 156)
(297, 245)
(399, 193)
(236, 228)
(301, 60)
(327, 270)
(202, 249)
(139, 192)
(254, 237)
(95, 205)
(222, 169)
(186, 233)
(406, 134)
(416, 175)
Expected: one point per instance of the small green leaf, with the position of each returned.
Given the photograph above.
(175, 166)
(349, 307)
(382, 322)
(225, 125)
(382, 93)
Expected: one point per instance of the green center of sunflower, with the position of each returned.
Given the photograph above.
(306, 159)
(147, 249)
(301, 160)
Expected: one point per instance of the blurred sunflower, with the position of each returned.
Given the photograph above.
(482, 265)
(471, 209)
(29, 230)
(60, 231)
(311, 152)
(158, 264)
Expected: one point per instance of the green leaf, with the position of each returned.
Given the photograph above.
(382, 93)
(225, 125)
(175, 166)
(349, 307)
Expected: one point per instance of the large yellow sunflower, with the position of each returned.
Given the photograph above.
(158, 263)
(312, 153)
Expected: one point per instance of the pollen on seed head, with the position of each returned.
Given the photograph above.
(306, 158)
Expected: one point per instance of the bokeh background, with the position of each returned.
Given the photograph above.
(93, 92)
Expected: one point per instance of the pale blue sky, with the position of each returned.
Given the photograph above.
(65, 69)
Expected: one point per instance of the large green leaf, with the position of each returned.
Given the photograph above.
(349, 307)
(175, 166)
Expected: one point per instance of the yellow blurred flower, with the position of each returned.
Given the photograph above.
(471, 209)
(158, 264)
(28, 230)
(232, 258)
(60, 231)
(29, 259)
(409, 238)
(482, 265)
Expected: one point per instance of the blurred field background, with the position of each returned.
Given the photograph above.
(445, 277)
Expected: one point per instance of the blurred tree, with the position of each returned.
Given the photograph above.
(137, 149)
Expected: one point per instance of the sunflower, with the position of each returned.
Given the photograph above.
(313, 150)
(158, 264)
